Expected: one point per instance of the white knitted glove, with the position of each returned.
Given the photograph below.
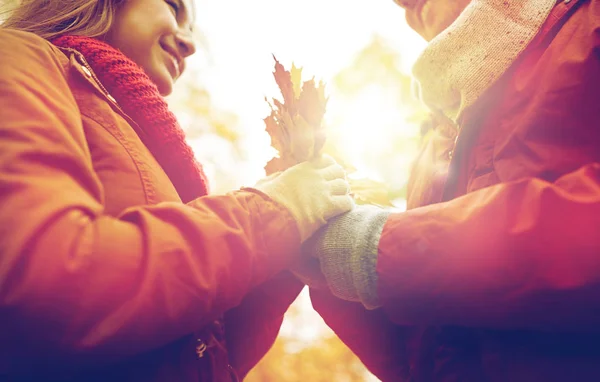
(313, 192)
(347, 249)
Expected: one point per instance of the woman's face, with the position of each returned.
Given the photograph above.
(157, 35)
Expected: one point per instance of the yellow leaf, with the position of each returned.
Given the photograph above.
(367, 191)
(284, 81)
(277, 164)
(296, 77)
(311, 106)
(295, 125)
(302, 139)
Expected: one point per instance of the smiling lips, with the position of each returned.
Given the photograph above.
(175, 63)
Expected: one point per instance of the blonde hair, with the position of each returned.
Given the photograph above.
(52, 18)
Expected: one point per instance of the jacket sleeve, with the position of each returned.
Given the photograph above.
(75, 282)
(252, 327)
(379, 343)
(524, 255)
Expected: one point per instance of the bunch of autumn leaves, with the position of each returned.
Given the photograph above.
(296, 124)
(298, 133)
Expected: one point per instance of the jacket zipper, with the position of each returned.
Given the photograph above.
(105, 92)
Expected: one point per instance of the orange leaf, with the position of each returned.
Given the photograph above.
(295, 125)
(277, 164)
(297, 132)
(284, 81)
(302, 140)
(274, 132)
(311, 106)
(296, 77)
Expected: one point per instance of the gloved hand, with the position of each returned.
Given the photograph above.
(308, 271)
(347, 250)
(313, 192)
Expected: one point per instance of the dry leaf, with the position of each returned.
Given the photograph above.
(296, 78)
(284, 81)
(298, 134)
(277, 164)
(295, 125)
(311, 106)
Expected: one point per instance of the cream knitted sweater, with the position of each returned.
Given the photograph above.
(472, 53)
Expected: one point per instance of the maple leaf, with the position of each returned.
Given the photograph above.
(296, 78)
(296, 124)
(286, 86)
(278, 164)
(311, 106)
(301, 139)
(298, 134)
(274, 129)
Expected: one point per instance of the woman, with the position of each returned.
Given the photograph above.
(114, 264)
(494, 272)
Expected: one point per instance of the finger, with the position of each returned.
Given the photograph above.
(339, 187)
(323, 161)
(333, 172)
(340, 204)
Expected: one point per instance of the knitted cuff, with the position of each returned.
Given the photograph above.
(347, 249)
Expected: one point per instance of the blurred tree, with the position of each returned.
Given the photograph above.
(373, 97)
(213, 133)
(377, 63)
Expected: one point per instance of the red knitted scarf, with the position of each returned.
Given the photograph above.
(138, 96)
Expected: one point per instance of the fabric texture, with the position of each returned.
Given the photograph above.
(347, 251)
(463, 61)
(139, 97)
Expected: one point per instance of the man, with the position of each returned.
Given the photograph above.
(493, 274)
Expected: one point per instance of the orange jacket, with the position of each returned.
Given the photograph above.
(104, 273)
(494, 272)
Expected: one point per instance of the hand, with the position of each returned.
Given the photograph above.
(308, 270)
(313, 192)
(347, 252)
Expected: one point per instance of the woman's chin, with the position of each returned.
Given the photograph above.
(166, 89)
(164, 82)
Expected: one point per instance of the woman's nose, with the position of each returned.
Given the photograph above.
(185, 44)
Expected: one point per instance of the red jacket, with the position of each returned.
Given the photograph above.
(494, 272)
(105, 275)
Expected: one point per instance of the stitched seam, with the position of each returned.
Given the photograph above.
(128, 147)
